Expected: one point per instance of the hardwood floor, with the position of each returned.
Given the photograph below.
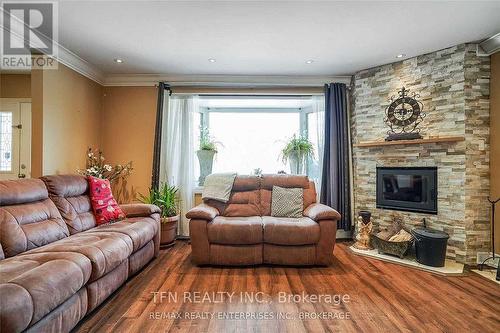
(383, 297)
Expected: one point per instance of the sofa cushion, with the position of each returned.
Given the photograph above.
(70, 194)
(246, 203)
(244, 199)
(246, 183)
(140, 258)
(102, 288)
(105, 250)
(15, 192)
(32, 285)
(310, 194)
(290, 231)
(140, 230)
(287, 202)
(28, 219)
(235, 230)
(65, 317)
(286, 181)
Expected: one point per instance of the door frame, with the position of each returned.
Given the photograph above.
(19, 101)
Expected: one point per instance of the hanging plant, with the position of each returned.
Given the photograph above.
(299, 146)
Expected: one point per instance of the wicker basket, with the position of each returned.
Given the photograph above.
(395, 248)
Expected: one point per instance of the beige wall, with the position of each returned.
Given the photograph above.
(72, 113)
(128, 118)
(495, 141)
(66, 120)
(15, 85)
(36, 123)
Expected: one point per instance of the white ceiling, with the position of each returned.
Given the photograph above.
(266, 37)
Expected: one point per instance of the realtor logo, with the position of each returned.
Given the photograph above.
(29, 34)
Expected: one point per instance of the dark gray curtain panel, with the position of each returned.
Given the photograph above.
(155, 176)
(335, 182)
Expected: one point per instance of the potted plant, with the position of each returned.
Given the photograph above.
(297, 151)
(206, 154)
(167, 199)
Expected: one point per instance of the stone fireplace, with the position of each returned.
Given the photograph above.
(454, 87)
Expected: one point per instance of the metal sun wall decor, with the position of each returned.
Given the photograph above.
(403, 115)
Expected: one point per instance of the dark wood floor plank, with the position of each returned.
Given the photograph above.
(384, 297)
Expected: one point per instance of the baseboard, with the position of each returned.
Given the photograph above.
(342, 234)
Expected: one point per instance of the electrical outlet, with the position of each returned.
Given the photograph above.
(481, 256)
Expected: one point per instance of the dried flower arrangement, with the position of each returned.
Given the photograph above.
(117, 175)
(96, 167)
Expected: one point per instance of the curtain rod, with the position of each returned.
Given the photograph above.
(256, 96)
(169, 87)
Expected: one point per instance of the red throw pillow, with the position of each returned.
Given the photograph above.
(105, 207)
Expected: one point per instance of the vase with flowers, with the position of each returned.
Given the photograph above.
(116, 174)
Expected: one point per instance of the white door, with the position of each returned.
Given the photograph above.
(15, 139)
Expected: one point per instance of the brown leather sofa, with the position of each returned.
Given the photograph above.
(242, 232)
(56, 265)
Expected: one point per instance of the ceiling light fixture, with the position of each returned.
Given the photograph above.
(401, 55)
(118, 60)
(309, 61)
(212, 60)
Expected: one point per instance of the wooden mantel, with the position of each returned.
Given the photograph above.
(410, 142)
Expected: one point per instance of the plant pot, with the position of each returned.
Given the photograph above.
(206, 159)
(297, 164)
(168, 231)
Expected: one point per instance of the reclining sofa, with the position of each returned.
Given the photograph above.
(56, 265)
(243, 232)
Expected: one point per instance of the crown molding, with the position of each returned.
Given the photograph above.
(489, 46)
(79, 65)
(223, 80)
(63, 56)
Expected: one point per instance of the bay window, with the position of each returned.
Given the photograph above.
(251, 131)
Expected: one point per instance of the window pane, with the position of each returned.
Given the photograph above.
(5, 141)
(196, 128)
(312, 133)
(252, 140)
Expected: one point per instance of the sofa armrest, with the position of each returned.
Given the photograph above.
(139, 210)
(202, 212)
(319, 212)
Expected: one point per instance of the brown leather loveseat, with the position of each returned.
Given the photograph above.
(56, 265)
(242, 232)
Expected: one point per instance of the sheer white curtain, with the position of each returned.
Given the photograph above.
(317, 136)
(177, 156)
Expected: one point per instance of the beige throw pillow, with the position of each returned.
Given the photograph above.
(287, 202)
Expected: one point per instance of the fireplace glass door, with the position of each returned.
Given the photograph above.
(408, 189)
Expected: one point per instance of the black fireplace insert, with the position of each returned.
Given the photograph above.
(411, 189)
